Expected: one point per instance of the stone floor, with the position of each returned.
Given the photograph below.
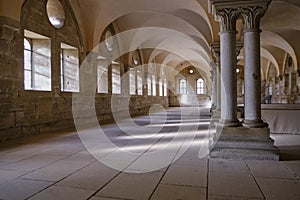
(162, 157)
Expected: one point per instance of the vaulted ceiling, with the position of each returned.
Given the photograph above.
(280, 27)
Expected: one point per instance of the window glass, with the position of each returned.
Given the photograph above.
(102, 76)
(200, 86)
(182, 86)
(139, 82)
(37, 62)
(116, 79)
(55, 12)
(153, 86)
(69, 68)
(132, 81)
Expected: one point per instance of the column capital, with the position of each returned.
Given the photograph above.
(252, 15)
(215, 48)
(227, 11)
(227, 18)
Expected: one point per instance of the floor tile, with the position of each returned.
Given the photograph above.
(270, 170)
(65, 193)
(171, 192)
(231, 178)
(228, 166)
(190, 159)
(3, 164)
(216, 197)
(104, 198)
(93, 176)
(279, 189)
(151, 162)
(21, 189)
(294, 166)
(186, 175)
(131, 186)
(7, 175)
(32, 163)
(20, 153)
(66, 148)
(60, 169)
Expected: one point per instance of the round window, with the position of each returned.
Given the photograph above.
(109, 41)
(55, 13)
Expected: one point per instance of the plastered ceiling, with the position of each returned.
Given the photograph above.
(280, 25)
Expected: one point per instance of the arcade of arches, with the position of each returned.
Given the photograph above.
(227, 71)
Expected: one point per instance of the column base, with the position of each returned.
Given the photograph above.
(254, 124)
(229, 123)
(216, 114)
(243, 143)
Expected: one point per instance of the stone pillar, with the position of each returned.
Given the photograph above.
(239, 82)
(251, 17)
(216, 81)
(232, 141)
(227, 18)
(294, 87)
(125, 79)
(277, 90)
(214, 86)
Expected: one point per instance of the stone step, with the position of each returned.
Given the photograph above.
(261, 139)
(245, 144)
(245, 154)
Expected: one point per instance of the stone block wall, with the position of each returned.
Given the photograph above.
(28, 112)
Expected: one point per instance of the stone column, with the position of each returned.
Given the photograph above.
(251, 17)
(125, 79)
(294, 87)
(214, 86)
(227, 18)
(230, 141)
(216, 80)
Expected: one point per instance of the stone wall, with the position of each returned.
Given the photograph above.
(190, 98)
(284, 89)
(28, 112)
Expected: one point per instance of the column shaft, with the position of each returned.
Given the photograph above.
(216, 75)
(251, 16)
(252, 77)
(214, 90)
(228, 78)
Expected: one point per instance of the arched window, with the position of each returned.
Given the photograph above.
(132, 81)
(140, 82)
(165, 87)
(69, 68)
(149, 84)
(153, 85)
(116, 77)
(27, 64)
(102, 75)
(200, 86)
(182, 86)
(37, 62)
(160, 83)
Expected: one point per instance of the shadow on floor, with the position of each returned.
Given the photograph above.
(287, 153)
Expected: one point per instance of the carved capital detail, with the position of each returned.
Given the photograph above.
(251, 17)
(215, 48)
(227, 18)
